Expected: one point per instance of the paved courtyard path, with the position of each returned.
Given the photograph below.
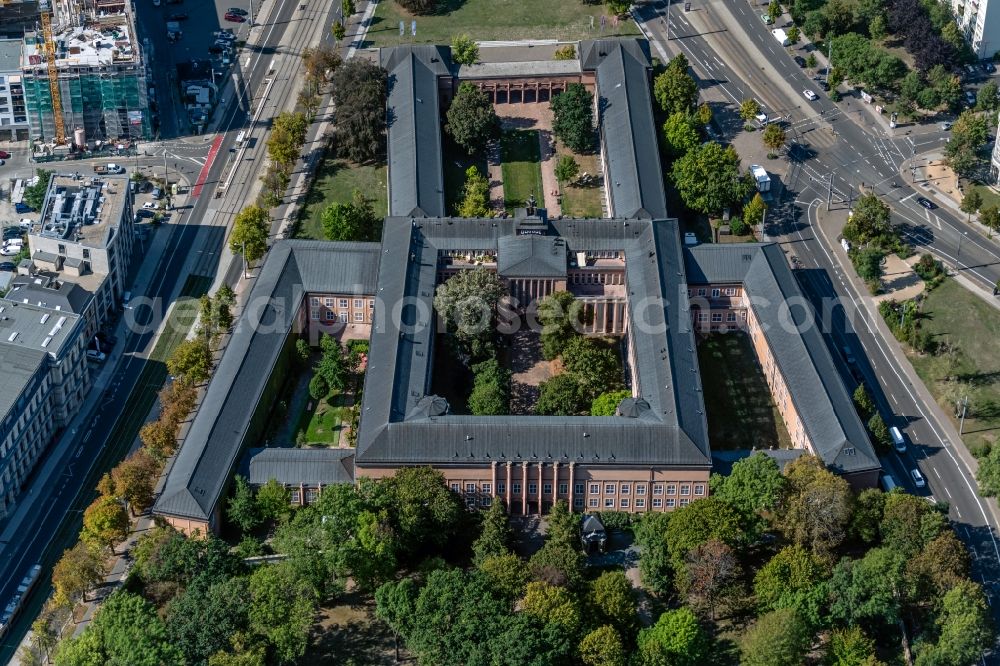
(537, 116)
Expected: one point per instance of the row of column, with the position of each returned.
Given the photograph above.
(509, 478)
(598, 309)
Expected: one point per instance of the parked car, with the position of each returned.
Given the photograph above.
(238, 11)
(177, 16)
(766, 18)
(4, 155)
(107, 338)
(157, 193)
(989, 67)
(7, 267)
(22, 208)
(970, 97)
(224, 34)
(946, 126)
(926, 203)
(800, 61)
(810, 95)
(94, 355)
(235, 18)
(918, 478)
(12, 232)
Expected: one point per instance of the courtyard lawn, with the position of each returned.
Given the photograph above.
(741, 414)
(565, 20)
(322, 420)
(335, 182)
(520, 155)
(965, 324)
(583, 201)
(456, 162)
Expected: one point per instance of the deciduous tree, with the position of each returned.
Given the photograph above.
(870, 589)
(778, 638)
(472, 120)
(851, 647)
(594, 364)
(251, 228)
(753, 213)
(971, 203)
(773, 137)
(490, 389)
(105, 522)
(191, 360)
(816, 505)
(573, 118)
(549, 603)
(506, 574)
(496, 535)
(869, 222)
(159, 437)
(793, 578)
(749, 108)
(476, 197)
(674, 90)
(273, 501)
(711, 572)
(359, 93)
(354, 221)
(612, 600)
(603, 647)
(566, 168)
(964, 628)
(708, 178)
(135, 480)
(80, 568)
(242, 509)
(282, 609)
(607, 403)
(464, 50)
(561, 395)
(468, 302)
(680, 134)
(562, 318)
(676, 639)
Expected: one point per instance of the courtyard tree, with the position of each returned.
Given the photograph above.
(603, 647)
(561, 395)
(318, 388)
(674, 89)
(708, 178)
(472, 120)
(594, 364)
(607, 403)
(354, 221)
(464, 50)
(690, 526)
(468, 302)
(680, 134)
(273, 501)
(778, 638)
(242, 509)
(359, 93)
(105, 522)
(562, 318)
(332, 366)
(566, 168)
(971, 203)
(490, 389)
(495, 536)
(773, 137)
(191, 360)
(250, 231)
(573, 118)
(476, 195)
(749, 108)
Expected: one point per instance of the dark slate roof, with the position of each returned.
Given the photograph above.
(591, 523)
(394, 431)
(416, 179)
(58, 295)
(211, 448)
(793, 334)
(628, 132)
(311, 467)
(531, 256)
(723, 461)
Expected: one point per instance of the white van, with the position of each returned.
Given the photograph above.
(888, 483)
(898, 439)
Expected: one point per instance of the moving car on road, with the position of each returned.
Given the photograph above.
(810, 95)
(926, 203)
(4, 155)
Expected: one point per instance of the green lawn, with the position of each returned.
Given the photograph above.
(322, 420)
(966, 329)
(990, 198)
(584, 201)
(520, 154)
(495, 20)
(456, 161)
(740, 411)
(335, 182)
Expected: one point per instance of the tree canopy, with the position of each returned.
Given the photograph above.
(359, 93)
(573, 118)
(708, 178)
(674, 89)
(251, 228)
(472, 121)
(354, 221)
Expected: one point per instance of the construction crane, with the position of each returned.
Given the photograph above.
(50, 57)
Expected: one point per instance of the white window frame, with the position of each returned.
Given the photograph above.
(609, 502)
(624, 503)
(609, 489)
(593, 502)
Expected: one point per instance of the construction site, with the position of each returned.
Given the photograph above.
(84, 78)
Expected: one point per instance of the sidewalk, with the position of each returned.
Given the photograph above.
(830, 225)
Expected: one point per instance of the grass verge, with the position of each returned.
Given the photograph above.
(335, 182)
(520, 154)
(965, 329)
(741, 413)
(496, 20)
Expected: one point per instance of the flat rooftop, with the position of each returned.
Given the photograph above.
(10, 55)
(107, 40)
(84, 210)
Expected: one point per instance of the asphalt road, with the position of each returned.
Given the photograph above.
(737, 55)
(187, 235)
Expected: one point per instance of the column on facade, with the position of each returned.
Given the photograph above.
(302, 494)
(507, 487)
(555, 482)
(524, 488)
(541, 475)
(493, 483)
(572, 465)
(614, 316)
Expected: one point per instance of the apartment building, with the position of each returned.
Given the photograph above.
(85, 237)
(13, 114)
(102, 77)
(979, 21)
(45, 378)
(17, 17)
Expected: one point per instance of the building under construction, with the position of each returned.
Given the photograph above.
(90, 47)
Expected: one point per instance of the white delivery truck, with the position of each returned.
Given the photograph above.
(780, 35)
(761, 178)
